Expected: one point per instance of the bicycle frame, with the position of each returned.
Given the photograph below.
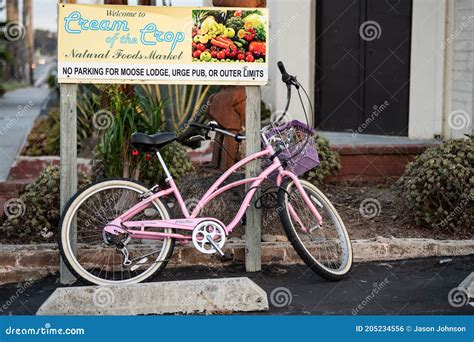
(136, 229)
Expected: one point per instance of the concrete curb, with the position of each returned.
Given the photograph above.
(210, 296)
(20, 263)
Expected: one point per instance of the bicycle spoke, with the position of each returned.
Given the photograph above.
(324, 243)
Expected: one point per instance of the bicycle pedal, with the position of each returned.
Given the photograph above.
(227, 257)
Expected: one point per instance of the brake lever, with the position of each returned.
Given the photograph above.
(293, 82)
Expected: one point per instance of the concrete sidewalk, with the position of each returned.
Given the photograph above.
(18, 111)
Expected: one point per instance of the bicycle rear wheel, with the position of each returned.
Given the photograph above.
(326, 250)
(99, 259)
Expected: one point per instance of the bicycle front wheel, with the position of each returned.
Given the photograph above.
(325, 249)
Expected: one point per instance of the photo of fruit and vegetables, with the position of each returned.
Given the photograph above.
(229, 36)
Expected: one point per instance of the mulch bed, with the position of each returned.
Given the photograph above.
(392, 219)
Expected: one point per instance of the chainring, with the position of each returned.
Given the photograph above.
(207, 229)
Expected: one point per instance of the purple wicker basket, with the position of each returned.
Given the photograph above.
(299, 149)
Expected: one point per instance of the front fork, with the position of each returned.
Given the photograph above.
(306, 199)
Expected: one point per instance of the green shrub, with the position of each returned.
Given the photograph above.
(52, 81)
(438, 185)
(113, 155)
(180, 104)
(38, 210)
(330, 162)
(43, 139)
(149, 172)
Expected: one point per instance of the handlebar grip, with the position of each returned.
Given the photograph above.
(201, 126)
(282, 68)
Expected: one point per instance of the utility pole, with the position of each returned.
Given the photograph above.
(14, 42)
(29, 41)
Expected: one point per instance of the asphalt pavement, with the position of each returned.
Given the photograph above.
(411, 287)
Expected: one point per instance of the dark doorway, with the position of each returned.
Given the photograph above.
(363, 65)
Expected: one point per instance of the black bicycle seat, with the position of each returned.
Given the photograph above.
(153, 142)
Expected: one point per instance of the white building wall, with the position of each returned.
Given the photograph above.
(441, 77)
(427, 69)
(458, 115)
(292, 41)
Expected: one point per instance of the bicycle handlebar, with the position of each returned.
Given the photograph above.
(289, 80)
(286, 78)
(281, 66)
(213, 127)
(201, 126)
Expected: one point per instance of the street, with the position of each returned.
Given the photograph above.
(412, 287)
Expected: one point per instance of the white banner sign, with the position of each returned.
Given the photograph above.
(146, 44)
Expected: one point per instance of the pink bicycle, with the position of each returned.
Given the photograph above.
(124, 232)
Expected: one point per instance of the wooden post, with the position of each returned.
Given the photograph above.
(68, 174)
(68, 156)
(253, 229)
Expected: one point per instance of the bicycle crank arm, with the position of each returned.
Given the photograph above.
(216, 247)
